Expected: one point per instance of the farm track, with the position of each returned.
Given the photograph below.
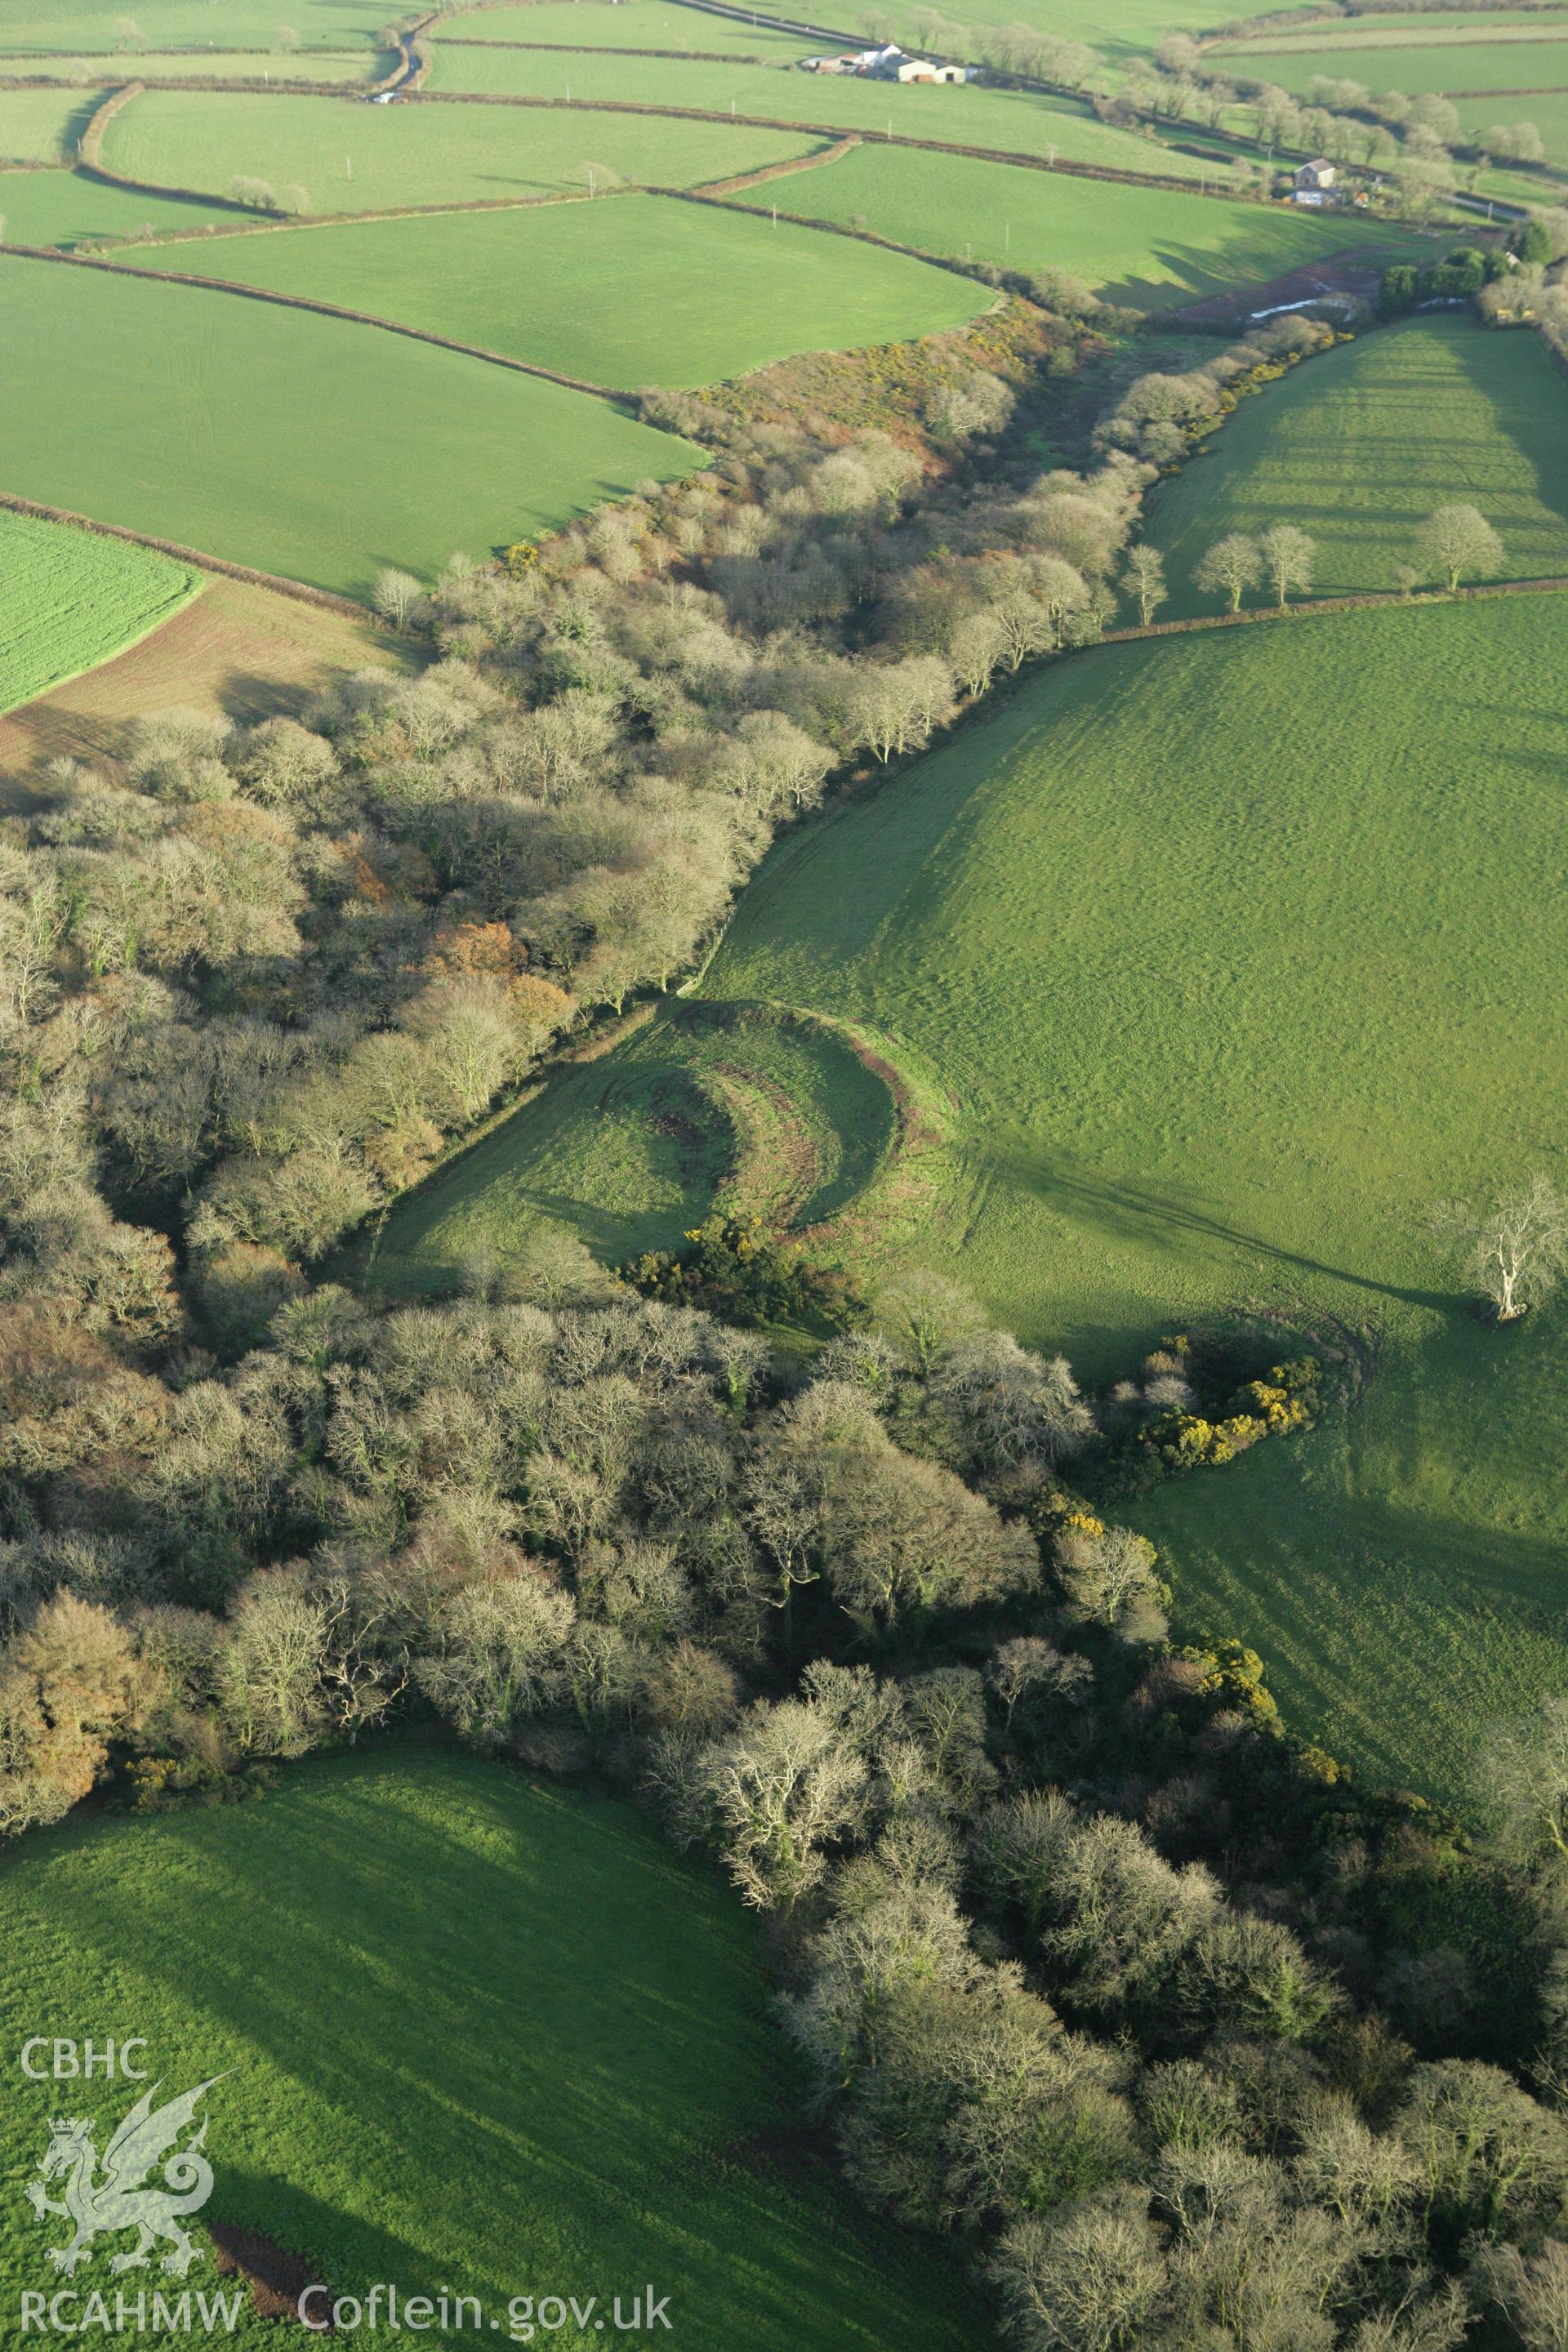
(720, 191)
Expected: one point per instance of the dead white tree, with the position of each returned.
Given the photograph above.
(1513, 1250)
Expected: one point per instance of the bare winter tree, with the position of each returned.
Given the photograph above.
(1514, 1249)
(1232, 565)
(257, 194)
(395, 595)
(1144, 581)
(1287, 558)
(1521, 1780)
(1458, 539)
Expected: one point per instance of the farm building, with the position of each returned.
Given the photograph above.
(888, 64)
(1317, 175)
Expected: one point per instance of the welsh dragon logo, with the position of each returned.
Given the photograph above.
(102, 2203)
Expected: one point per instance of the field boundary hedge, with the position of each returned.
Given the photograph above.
(325, 309)
(246, 84)
(89, 146)
(204, 563)
(1310, 607)
(715, 197)
(774, 24)
(831, 130)
(252, 224)
(90, 157)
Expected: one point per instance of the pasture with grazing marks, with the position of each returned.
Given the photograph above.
(222, 65)
(1129, 30)
(1469, 64)
(639, 290)
(1234, 963)
(70, 598)
(351, 157)
(1147, 246)
(299, 445)
(532, 1994)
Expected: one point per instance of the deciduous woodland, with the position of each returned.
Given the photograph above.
(834, 1219)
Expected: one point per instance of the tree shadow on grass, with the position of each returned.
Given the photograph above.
(1129, 1213)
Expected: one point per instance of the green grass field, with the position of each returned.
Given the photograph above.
(417, 1972)
(378, 157)
(94, 26)
(765, 1116)
(223, 65)
(1398, 29)
(627, 24)
(1012, 122)
(69, 599)
(67, 209)
(42, 126)
(1131, 30)
(299, 444)
(630, 292)
(1358, 445)
(1467, 64)
(1148, 246)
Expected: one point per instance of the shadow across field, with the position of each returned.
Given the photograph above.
(476, 2033)
(1125, 1213)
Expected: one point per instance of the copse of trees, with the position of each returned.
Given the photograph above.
(1459, 276)
(1455, 541)
(1283, 555)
